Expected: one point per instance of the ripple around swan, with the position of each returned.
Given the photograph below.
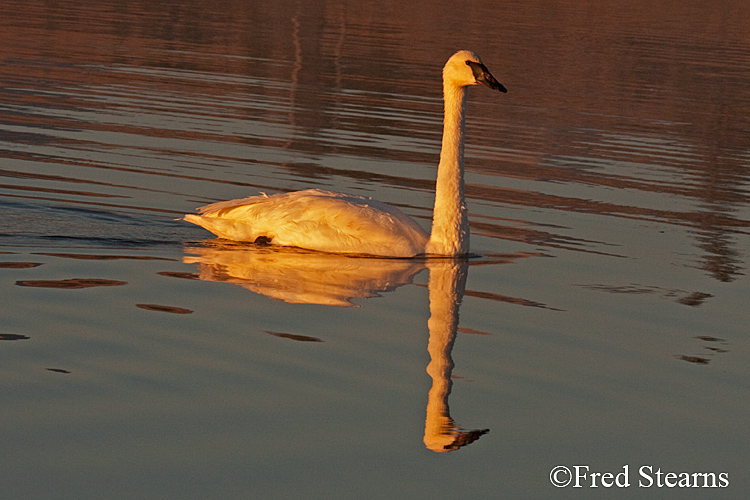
(19, 265)
(13, 336)
(70, 284)
(162, 308)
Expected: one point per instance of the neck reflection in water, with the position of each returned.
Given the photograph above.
(303, 277)
(447, 285)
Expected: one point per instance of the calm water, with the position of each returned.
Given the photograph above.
(605, 323)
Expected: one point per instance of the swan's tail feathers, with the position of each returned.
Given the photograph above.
(225, 228)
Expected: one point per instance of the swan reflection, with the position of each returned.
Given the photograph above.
(447, 285)
(299, 276)
(303, 277)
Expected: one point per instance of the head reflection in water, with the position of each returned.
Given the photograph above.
(296, 276)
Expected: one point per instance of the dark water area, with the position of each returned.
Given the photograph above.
(602, 322)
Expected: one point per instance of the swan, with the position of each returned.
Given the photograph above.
(340, 223)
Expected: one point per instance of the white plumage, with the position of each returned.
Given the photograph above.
(340, 223)
(316, 220)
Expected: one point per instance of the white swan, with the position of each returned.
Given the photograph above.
(339, 223)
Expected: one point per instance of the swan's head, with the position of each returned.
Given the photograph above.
(465, 68)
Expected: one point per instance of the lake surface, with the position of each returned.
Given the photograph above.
(603, 322)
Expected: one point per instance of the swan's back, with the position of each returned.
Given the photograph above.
(316, 220)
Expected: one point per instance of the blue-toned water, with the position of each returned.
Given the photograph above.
(603, 322)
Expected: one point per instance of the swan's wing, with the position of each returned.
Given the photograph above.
(317, 220)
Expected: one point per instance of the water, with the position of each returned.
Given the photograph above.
(605, 323)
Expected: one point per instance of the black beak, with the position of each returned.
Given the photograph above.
(482, 75)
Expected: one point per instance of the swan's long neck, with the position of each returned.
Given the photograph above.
(450, 223)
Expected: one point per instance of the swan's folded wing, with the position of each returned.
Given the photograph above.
(317, 220)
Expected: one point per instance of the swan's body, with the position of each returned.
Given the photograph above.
(339, 223)
(316, 220)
